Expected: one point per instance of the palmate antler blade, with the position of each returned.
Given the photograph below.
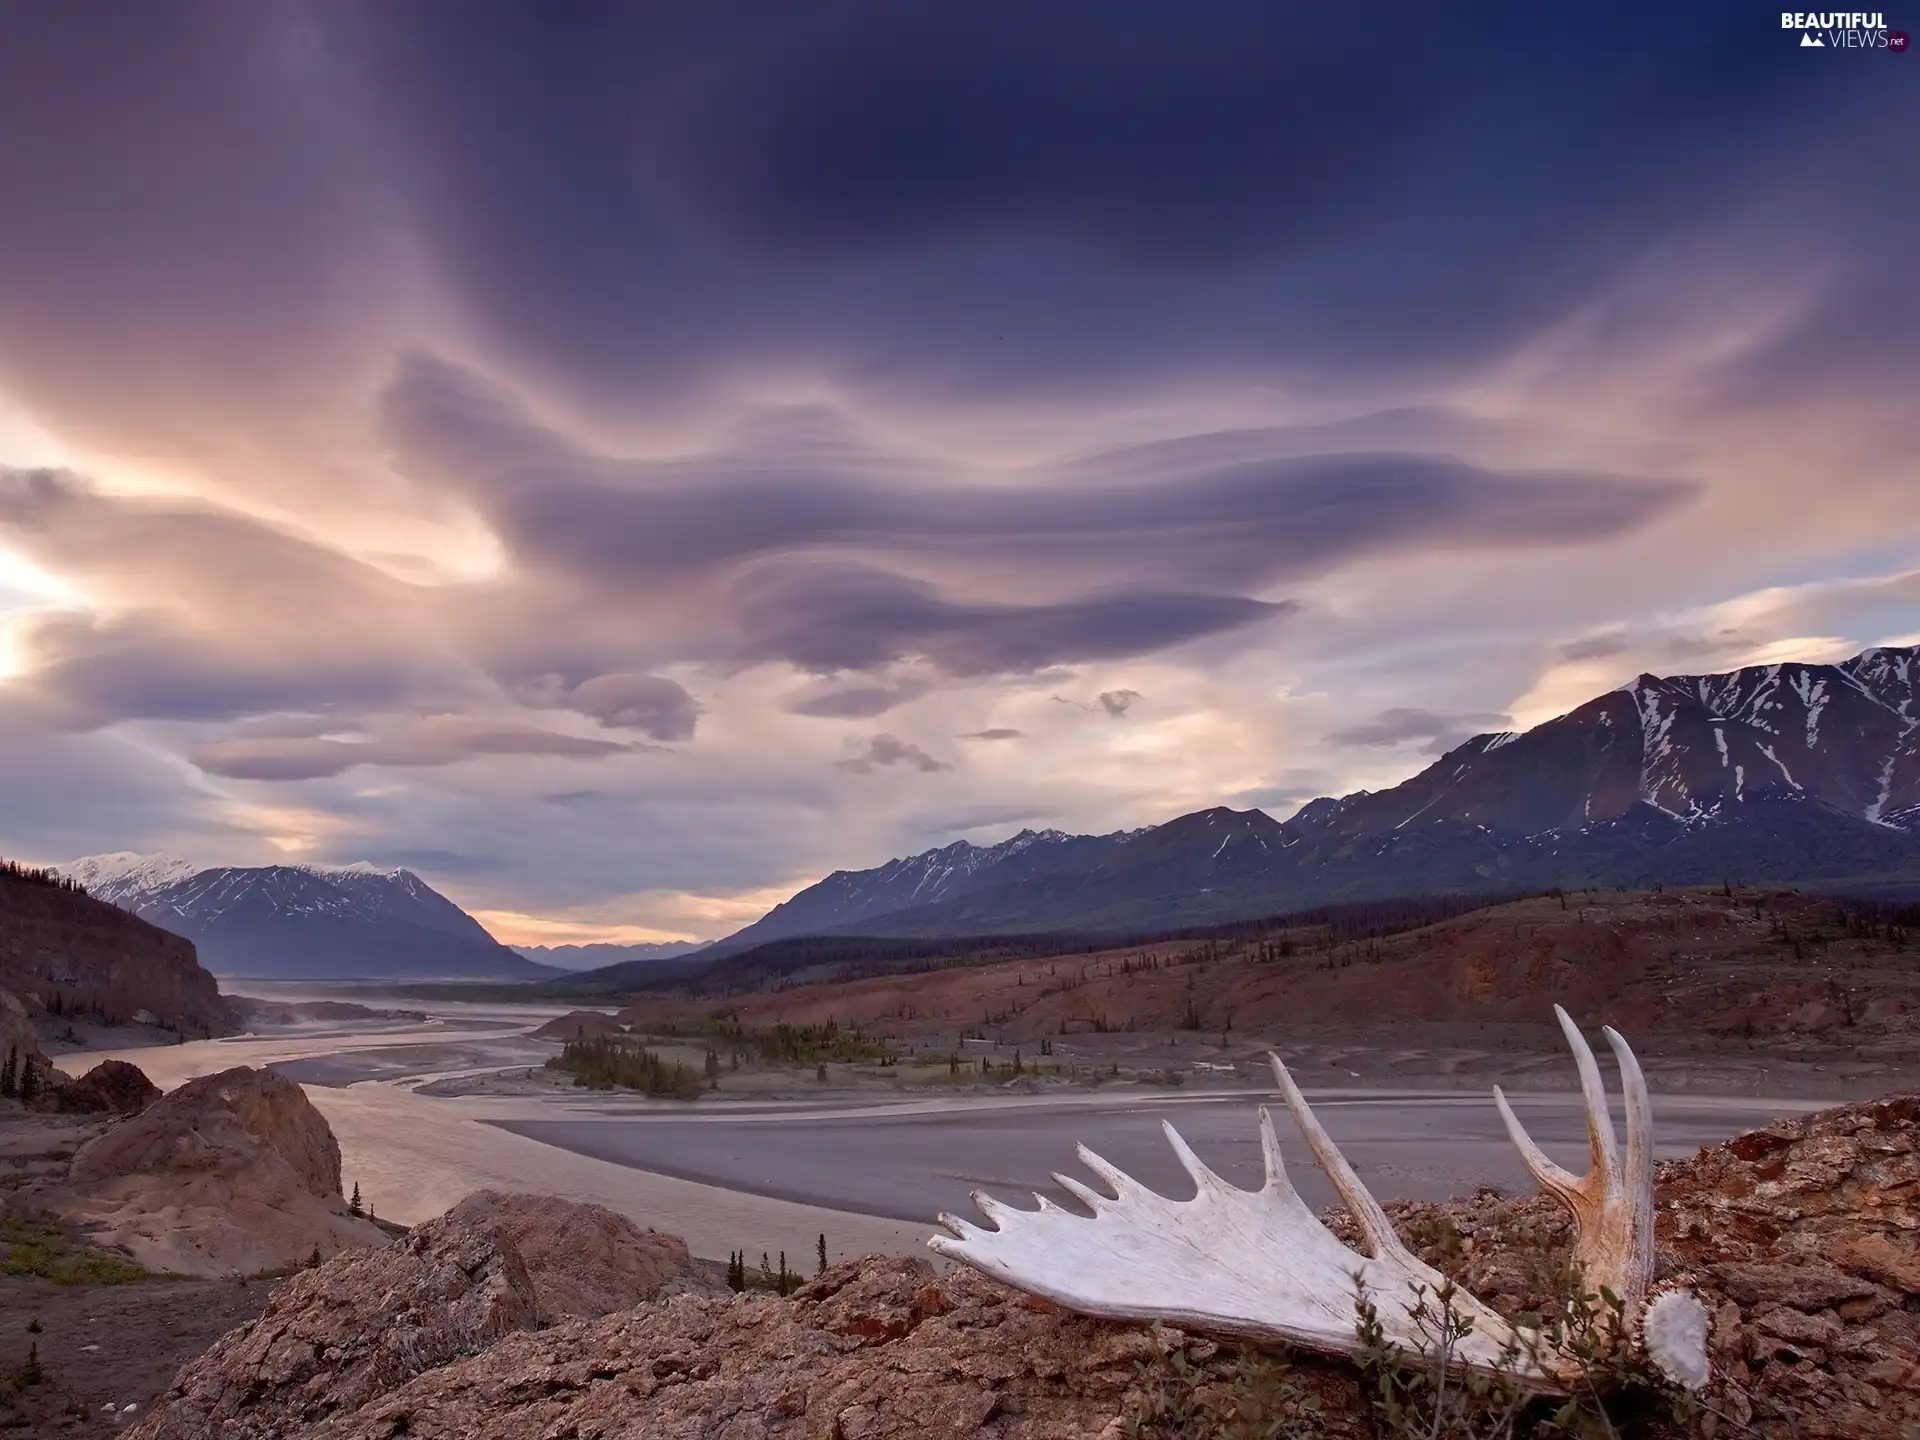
(1257, 1264)
(1260, 1265)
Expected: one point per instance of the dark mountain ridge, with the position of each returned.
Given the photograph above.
(305, 922)
(62, 951)
(1790, 772)
(933, 878)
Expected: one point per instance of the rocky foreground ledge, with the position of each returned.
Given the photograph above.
(1804, 1238)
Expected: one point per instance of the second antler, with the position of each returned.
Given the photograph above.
(1260, 1265)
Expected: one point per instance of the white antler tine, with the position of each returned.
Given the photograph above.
(996, 1211)
(1601, 1147)
(1204, 1179)
(1639, 1107)
(969, 1251)
(1367, 1214)
(960, 1229)
(1124, 1186)
(1638, 1176)
(1085, 1194)
(1276, 1163)
(1551, 1177)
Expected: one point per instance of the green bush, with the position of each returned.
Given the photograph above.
(44, 1254)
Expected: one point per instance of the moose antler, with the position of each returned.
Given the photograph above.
(1259, 1265)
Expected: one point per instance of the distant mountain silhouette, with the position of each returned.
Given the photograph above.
(1788, 773)
(599, 956)
(304, 922)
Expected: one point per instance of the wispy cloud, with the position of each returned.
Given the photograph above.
(881, 752)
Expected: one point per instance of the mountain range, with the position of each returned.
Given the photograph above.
(599, 956)
(1790, 772)
(354, 922)
(1795, 773)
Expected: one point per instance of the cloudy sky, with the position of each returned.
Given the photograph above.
(624, 462)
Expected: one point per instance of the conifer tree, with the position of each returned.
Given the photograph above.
(6, 1074)
(354, 1207)
(28, 1085)
(822, 1256)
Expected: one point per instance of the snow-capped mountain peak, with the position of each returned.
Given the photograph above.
(123, 872)
(303, 920)
(358, 867)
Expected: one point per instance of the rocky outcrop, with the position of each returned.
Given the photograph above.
(113, 1087)
(79, 955)
(231, 1173)
(1801, 1237)
(584, 1260)
(878, 1347)
(1809, 1230)
(337, 1338)
(334, 1340)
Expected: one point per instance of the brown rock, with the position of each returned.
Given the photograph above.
(585, 1260)
(1893, 1262)
(1894, 1371)
(1797, 1328)
(216, 1123)
(1809, 1286)
(234, 1172)
(113, 1087)
(335, 1338)
(371, 1345)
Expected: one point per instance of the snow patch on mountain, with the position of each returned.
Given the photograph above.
(125, 873)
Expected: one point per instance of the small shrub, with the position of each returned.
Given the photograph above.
(45, 1254)
(1250, 1395)
(30, 1372)
(1421, 1393)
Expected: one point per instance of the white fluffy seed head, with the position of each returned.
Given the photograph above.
(1674, 1330)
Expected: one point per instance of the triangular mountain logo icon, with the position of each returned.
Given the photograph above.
(1811, 42)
